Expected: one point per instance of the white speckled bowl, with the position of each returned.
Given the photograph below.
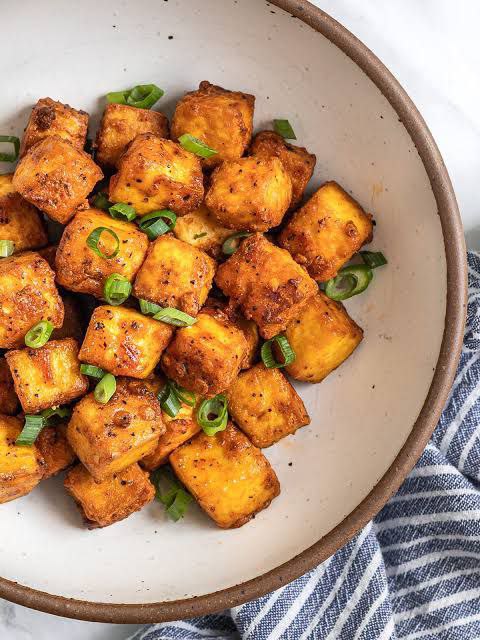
(370, 419)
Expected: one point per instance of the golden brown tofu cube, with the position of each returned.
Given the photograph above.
(80, 269)
(265, 405)
(327, 231)
(134, 342)
(56, 177)
(6, 186)
(206, 357)
(325, 324)
(48, 376)
(266, 283)
(221, 119)
(175, 274)
(111, 500)
(250, 194)
(177, 431)
(21, 468)
(110, 437)
(21, 223)
(27, 295)
(201, 229)
(72, 326)
(51, 118)
(229, 477)
(155, 173)
(120, 125)
(53, 446)
(298, 162)
(8, 397)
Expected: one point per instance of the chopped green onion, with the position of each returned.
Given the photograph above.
(232, 243)
(122, 211)
(288, 354)
(212, 414)
(31, 429)
(187, 397)
(154, 225)
(197, 236)
(194, 145)
(149, 308)
(105, 388)
(54, 414)
(373, 259)
(94, 238)
(116, 289)
(39, 334)
(169, 400)
(349, 282)
(10, 157)
(92, 371)
(118, 97)
(178, 318)
(7, 247)
(143, 96)
(284, 129)
(100, 201)
(176, 499)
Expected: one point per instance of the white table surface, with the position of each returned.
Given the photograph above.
(431, 46)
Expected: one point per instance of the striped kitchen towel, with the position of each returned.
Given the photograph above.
(414, 572)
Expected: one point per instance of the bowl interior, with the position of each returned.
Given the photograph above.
(362, 414)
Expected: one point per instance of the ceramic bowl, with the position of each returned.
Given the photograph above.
(371, 418)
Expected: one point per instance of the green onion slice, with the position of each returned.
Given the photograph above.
(7, 247)
(143, 96)
(232, 243)
(373, 259)
(187, 397)
(177, 318)
(94, 238)
(39, 334)
(149, 308)
(116, 289)
(212, 414)
(55, 414)
(157, 223)
(284, 129)
(194, 145)
(122, 211)
(197, 236)
(31, 429)
(349, 282)
(92, 371)
(176, 499)
(169, 400)
(10, 157)
(100, 201)
(287, 353)
(105, 388)
(118, 97)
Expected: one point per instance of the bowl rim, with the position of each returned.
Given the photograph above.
(455, 252)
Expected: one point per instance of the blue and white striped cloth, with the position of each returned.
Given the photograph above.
(412, 573)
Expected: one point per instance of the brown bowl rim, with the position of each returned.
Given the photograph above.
(442, 380)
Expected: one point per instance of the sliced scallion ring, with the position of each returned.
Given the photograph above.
(187, 397)
(175, 499)
(157, 223)
(149, 308)
(196, 146)
(94, 238)
(10, 157)
(284, 129)
(169, 400)
(349, 282)
(100, 201)
(7, 247)
(116, 289)
(92, 371)
(54, 414)
(373, 259)
(177, 318)
(143, 96)
(178, 507)
(39, 334)
(105, 388)
(232, 243)
(286, 351)
(212, 414)
(122, 211)
(31, 429)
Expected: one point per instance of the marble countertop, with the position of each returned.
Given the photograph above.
(433, 52)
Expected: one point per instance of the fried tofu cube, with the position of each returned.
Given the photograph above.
(21, 468)
(53, 446)
(48, 376)
(325, 324)
(51, 118)
(229, 477)
(8, 397)
(221, 119)
(201, 229)
(27, 295)
(134, 342)
(250, 194)
(72, 326)
(120, 125)
(327, 231)
(56, 177)
(155, 173)
(80, 269)
(6, 186)
(175, 274)
(267, 285)
(20, 222)
(177, 431)
(265, 405)
(110, 437)
(207, 356)
(115, 498)
(297, 161)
